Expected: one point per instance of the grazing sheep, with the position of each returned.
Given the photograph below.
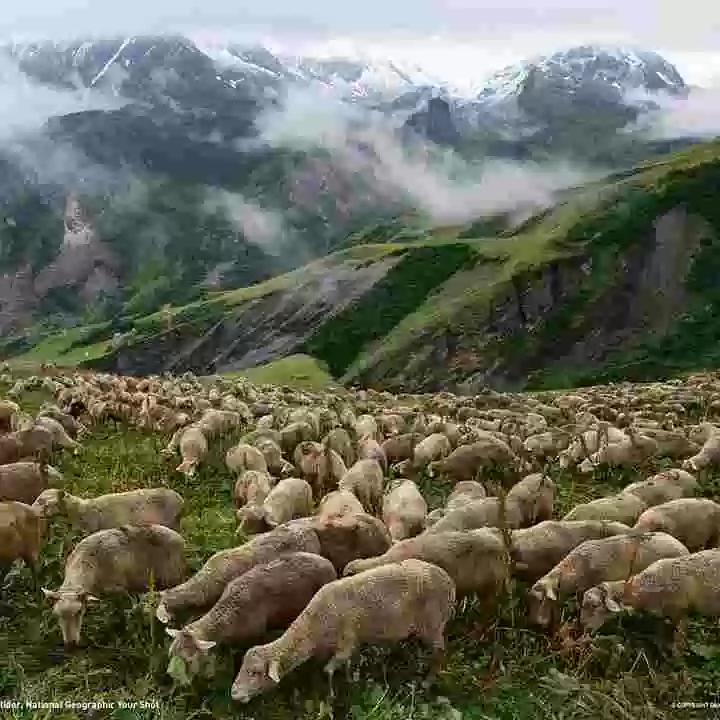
(535, 496)
(9, 412)
(389, 603)
(266, 597)
(479, 513)
(466, 461)
(400, 447)
(368, 448)
(340, 441)
(537, 549)
(635, 449)
(290, 499)
(365, 480)
(707, 456)
(193, 449)
(693, 521)
(293, 434)
(244, 457)
(596, 561)
(217, 422)
(132, 558)
(204, 588)
(476, 560)
(663, 487)
(404, 510)
(156, 506)
(321, 466)
(33, 442)
(433, 448)
(366, 425)
(672, 588)
(59, 437)
(22, 531)
(338, 503)
(24, 481)
(625, 508)
(252, 487)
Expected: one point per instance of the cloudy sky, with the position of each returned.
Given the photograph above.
(453, 38)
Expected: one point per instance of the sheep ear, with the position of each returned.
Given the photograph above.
(89, 599)
(612, 605)
(550, 593)
(50, 594)
(205, 645)
(172, 632)
(274, 671)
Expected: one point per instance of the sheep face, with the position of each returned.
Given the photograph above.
(49, 502)
(597, 608)
(542, 599)
(251, 520)
(70, 609)
(259, 672)
(189, 656)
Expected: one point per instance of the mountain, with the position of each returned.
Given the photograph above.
(166, 156)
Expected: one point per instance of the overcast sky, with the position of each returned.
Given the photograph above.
(460, 37)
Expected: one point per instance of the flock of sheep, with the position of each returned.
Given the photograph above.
(336, 546)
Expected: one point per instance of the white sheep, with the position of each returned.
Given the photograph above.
(693, 521)
(404, 510)
(625, 508)
(365, 480)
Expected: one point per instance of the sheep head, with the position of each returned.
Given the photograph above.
(542, 599)
(188, 656)
(50, 502)
(261, 670)
(69, 608)
(597, 606)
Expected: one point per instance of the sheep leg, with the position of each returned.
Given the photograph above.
(341, 657)
(679, 644)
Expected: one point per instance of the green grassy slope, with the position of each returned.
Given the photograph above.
(506, 670)
(446, 282)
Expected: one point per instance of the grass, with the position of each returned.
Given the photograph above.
(506, 672)
(297, 371)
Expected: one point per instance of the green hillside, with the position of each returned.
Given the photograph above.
(615, 281)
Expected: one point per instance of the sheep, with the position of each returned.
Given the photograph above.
(30, 442)
(365, 479)
(193, 449)
(131, 558)
(266, 597)
(204, 588)
(534, 495)
(294, 434)
(404, 510)
(589, 442)
(321, 466)
(434, 447)
(289, 499)
(24, 481)
(671, 443)
(663, 487)
(672, 588)
(476, 560)
(349, 537)
(545, 445)
(216, 422)
(252, 487)
(59, 437)
(339, 502)
(9, 412)
(625, 508)
(156, 506)
(466, 461)
(400, 447)
(389, 603)
(635, 449)
(464, 492)
(693, 521)
(244, 457)
(707, 456)
(537, 549)
(71, 425)
(339, 440)
(22, 531)
(366, 425)
(596, 561)
(477, 514)
(368, 448)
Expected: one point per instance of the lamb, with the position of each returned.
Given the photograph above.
(625, 508)
(22, 531)
(131, 558)
(24, 481)
(365, 479)
(596, 561)
(672, 588)
(466, 461)
(404, 510)
(339, 440)
(534, 495)
(663, 487)
(290, 499)
(537, 549)
(156, 506)
(708, 455)
(400, 447)
(338, 503)
(389, 603)
(693, 521)
(476, 560)
(266, 597)
(193, 448)
(204, 588)
(252, 487)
